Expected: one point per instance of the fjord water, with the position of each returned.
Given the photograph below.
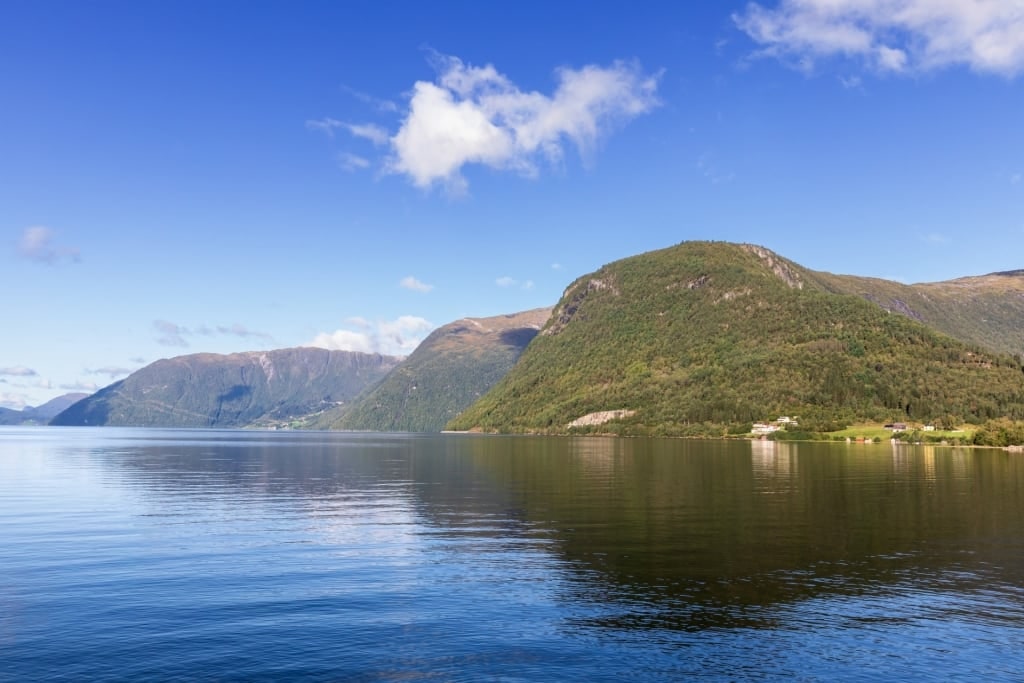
(238, 555)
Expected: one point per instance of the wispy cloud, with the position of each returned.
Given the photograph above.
(109, 371)
(851, 82)
(239, 330)
(173, 334)
(89, 387)
(712, 171)
(935, 238)
(1015, 178)
(170, 334)
(507, 282)
(377, 103)
(18, 371)
(415, 285)
(353, 162)
(398, 337)
(37, 244)
(556, 266)
(894, 36)
(367, 131)
(15, 401)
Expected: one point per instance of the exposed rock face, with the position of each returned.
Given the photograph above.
(600, 418)
(780, 267)
(581, 290)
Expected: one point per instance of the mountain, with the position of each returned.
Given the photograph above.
(264, 388)
(704, 336)
(987, 310)
(448, 371)
(40, 414)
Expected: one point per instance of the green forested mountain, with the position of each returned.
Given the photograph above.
(987, 310)
(702, 336)
(238, 390)
(451, 369)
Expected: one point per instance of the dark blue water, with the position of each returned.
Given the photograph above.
(221, 555)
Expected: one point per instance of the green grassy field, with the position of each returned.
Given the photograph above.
(870, 431)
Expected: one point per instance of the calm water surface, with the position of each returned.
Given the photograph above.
(226, 555)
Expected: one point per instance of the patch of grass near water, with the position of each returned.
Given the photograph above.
(871, 431)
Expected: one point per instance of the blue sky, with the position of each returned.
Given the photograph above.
(182, 177)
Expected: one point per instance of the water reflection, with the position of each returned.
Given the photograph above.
(647, 533)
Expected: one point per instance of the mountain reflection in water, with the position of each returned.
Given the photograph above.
(623, 547)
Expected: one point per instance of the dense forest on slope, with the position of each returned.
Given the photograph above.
(986, 310)
(451, 369)
(702, 336)
(263, 388)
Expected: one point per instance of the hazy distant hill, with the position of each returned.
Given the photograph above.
(39, 414)
(453, 367)
(721, 334)
(237, 390)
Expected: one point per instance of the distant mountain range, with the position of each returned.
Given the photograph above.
(255, 389)
(693, 339)
(40, 415)
(704, 336)
(453, 367)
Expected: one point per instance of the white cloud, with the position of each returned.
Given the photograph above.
(556, 266)
(398, 337)
(475, 115)
(36, 244)
(367, 131)
(18, 371)
(899, 36)
(528, 284)
(415, 285)
(352, 162)
(1015, 178)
